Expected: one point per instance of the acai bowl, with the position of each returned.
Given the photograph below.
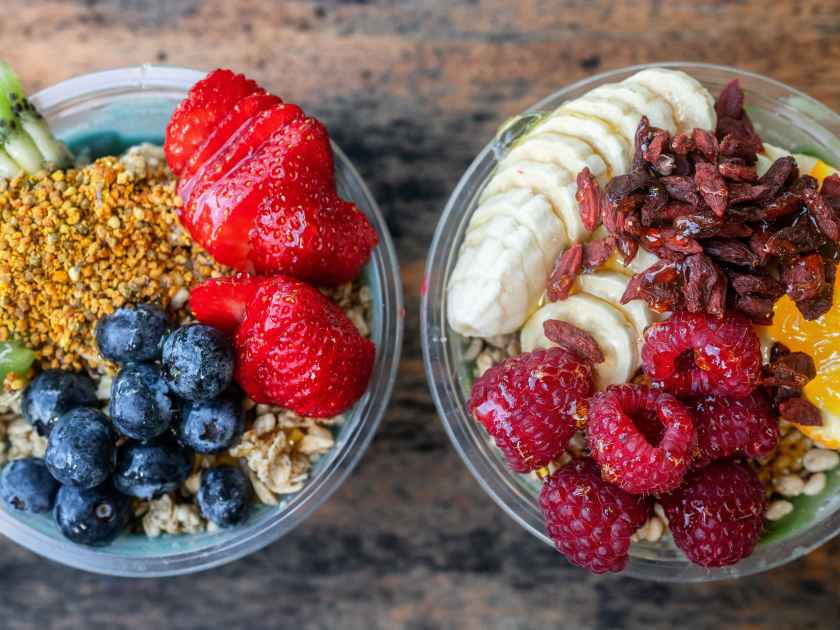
(104, 114)
(532, 170)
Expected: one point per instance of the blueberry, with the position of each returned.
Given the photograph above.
(26, 485)
(148, 470)
(212, 426)
(53, 393)
(197, 362)
(80, 449)
(140, 407)
(132, 334)
(224, 495)
(93, 516)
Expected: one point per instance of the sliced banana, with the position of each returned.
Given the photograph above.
(565, 151)
(610, 286)
(613, 148)
(533, 211)
(692, 103)
(509, 234)
(640, 98)
(623, 118)
(610, 329)
(487, 294)
(555, 183)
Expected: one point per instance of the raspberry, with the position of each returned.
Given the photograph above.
(726, 427)
(531, 405)
(589, 520)
(717, 516)
(696, 354)
(622, 448)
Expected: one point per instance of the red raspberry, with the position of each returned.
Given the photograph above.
(531, 405)
(717, 516)
(697, 353)
(726, 427)
(622, 448)
(589, 520)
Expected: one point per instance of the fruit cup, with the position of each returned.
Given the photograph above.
(105, 113)
(784, 117)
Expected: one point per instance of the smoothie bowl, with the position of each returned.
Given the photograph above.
(202, 322)
(629, 319)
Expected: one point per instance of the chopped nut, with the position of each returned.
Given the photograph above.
(777, 510)
(790, 485)
(165, 516)
(815, 484)
(820, 459)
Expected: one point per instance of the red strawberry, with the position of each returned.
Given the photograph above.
(295, 348)
(241, 115)
(207, 103)
(315, 235)
(221, 216)
(221, 302)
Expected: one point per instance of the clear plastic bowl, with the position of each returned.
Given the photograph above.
(784, 117)
(106, 112)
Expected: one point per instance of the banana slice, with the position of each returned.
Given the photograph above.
(533, 211)
(555, 183)
(613, 149)
(565, 151)
(610, 286)
(641, 99)
(613, 332)
(692, 103)
(487, 294)
(509, 234)
(623, 118)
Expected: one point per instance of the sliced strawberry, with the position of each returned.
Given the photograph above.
(243, 143)
(221, 302)
(207, 103)
(241, 114)
(297, 349)
(314, 235)
(221, 217)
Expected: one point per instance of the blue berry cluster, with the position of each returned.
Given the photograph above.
(172, 397)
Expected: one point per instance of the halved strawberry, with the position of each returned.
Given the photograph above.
(241, 114)
(314, 235)
(207, 103)
(297, 349)
(221, 216)
(221, 302)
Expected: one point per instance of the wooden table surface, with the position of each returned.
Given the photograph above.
(411, 93)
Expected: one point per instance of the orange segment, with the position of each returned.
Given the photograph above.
(821, 170)
(821, 339)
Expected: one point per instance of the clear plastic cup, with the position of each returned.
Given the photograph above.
(784, 117)
(106, 112)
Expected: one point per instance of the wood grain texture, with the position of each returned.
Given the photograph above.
(412, 90)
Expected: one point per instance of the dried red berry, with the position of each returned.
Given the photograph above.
(589, 199)
(566, 269)
(682, 188)
(730, 102)
(574, 340)
(668, 241)
(803, 278)
(826, 217)
(659, 286)
(712, 187)
(759, 283)
(596, 253)
(800, 411)
(704, 285)
(736, 170)
(791, 369)
(817, 307)
(732, 251)
(706, 144)
(779, 172)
